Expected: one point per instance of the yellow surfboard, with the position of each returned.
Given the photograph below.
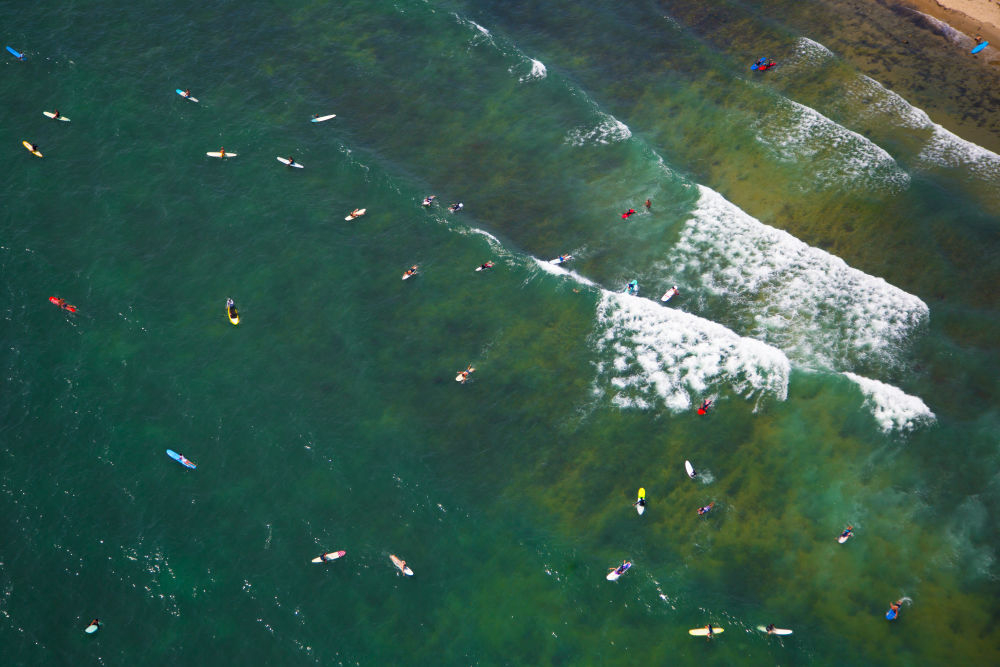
(27, 144)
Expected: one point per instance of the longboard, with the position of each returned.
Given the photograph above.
(14, 52)
(320, 119)
(51, 114)
(326, 558)
(218, 154)
(290, 163)
(187, 97)
(92, 628)
(402, 567)
(690, 469)
(979, 47)
(614, 574)
(180, 459)
(560, 260)
(352, 215)
(703, 632)
(775, 631)
(670, 294)
(640, 508)
(27, 144)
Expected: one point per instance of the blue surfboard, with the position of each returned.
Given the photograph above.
(17, 54)
(890, 615)
(757, 64)
(180, 459)
(979, 47)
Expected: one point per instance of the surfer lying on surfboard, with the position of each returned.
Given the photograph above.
(62, 304)
(487, 265)
(705, 405)
(456, 207)
(846, 535)
(627, 213)
(464, 375)
(429, 199)
(706, 509)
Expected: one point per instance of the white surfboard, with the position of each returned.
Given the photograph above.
(481, 267)
(326, 558)
(670, 293)
(352, 215)
(52, 115)
(401, 565)
(462, 377)
(218, 154)
(92, 628)
(409, 275)
(290, 163)
(776, 631)
(560, 260)
(690, 469)
(320, 119)
(843, 538)
(614, 574)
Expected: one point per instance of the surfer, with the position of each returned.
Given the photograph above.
(848, 532)
(291, 161)
(465, 374)
(632, 287)
(456, 207)
(621, 568)
(706, 509)
(62, 304)
(222, 152)
(705, 405)
(893, 612)
(769, 629)
(355, 213)
(710, 633)
(55, 115)
(640, 503)
(648, 204)
(186, 93)
(411, 271)
(487, 265)
(34, 148)
(627, 213)
(429, 199)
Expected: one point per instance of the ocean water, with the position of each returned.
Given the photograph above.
(832, 225)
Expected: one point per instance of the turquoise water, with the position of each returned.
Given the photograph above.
(835, 215)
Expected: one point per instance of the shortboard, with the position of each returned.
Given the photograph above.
(843, 538)
(775, 631)
(51, 114)
(703, 632)
(614, 574)
(232, 313)
(320, 119)
(400, 565)
(670, 293)
(326, 558)
(180, 459)
(92, 628)
(640, 507)
(218, 154)
(290, 163)
(979, 47)
(14, 52)
(352, 215)
(481, 267)
(560, 260)
(27, 144)
(407, 275)
(187, 97)
(690, 469)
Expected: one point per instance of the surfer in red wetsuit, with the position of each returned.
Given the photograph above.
(627, 213)
(705, 405)
(62, 304)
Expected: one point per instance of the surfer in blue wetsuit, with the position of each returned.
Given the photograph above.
(706, 509)
(848, 532)
(621, 568)
(456, 207)
(893, 612)
(428, 200)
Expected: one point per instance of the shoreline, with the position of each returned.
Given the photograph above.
(971, 17)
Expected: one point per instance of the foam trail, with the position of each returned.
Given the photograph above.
(538, 71)
(801, 135)
(803, 300)
(892, 408)
(609, 130)
(663, 354)
(559, 270)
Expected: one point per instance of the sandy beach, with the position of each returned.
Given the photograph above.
(972, 17)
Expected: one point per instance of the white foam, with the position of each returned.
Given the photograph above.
(892, 408)
(538, 71)
(608, 131)
(810, 52)
(835, 155)
(560, 270)
(803, 300)
(665, 355)
(949, 32)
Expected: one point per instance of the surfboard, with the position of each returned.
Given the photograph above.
(776, 631)
(670, 293)
(232, 313)
(352, 215)
(92, 628)
(428, 200)
(17, 54)
(290, 163)
(27, 144)
(642, 496)
(560, 260)
(51, 114)
(187, 97)
(326, 558)
(690, 469)
(979, 47)
(180, 459)
(409, 275)
(218, 154)
(703, 632)
(320, 119)
(461, 377)
(481, 267)
(400, 565)
(891, 615)
(843, 538)
(613, 574)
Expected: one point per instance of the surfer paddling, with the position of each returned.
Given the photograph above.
(706, 509)
(464, 375)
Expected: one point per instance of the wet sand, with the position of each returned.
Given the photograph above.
(972, 17)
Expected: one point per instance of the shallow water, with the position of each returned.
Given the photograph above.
(831, 225)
